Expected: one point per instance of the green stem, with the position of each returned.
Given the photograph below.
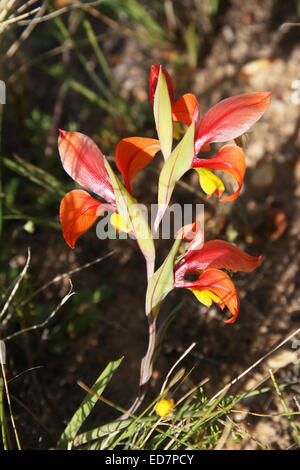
(1, 188)
(100, 56)
(146, 368)
(98, 82)
(147, 362)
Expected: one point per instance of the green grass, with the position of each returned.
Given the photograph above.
(196, 423)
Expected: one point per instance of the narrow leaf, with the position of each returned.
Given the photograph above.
(133, 215)
(101, 431)
(35, 174)
(162, 281)
(163, 115)
(87, 405)
(175, 167)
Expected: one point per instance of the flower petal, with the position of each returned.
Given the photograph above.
(214, 285)
(216, 254)
(206, 297)
(210, 183)
(186, 110)
(154, 73)
(230, 159)
(231, 118)
(193, 234)
(84, 162)
(133, 154)
(120, 224)
(78, 212)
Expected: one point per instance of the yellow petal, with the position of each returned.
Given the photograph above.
(119, 223)
(206, 297)
(209, 182)
(164, 407)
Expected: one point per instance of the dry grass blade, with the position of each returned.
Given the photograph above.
(26, 33)
(5, 7)
(175, 365)
(73, 6)
(25, 6)
(192, 390)
(286, 410)
(60, 277)
(259, 361)
(2, 361)
(44, 323)
(225, 434)
(47, 55)
(100, 397)
(14, 14)
(16, 286)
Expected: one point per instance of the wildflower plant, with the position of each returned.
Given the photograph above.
(209, 261)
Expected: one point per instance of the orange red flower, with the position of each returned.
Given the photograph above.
(225, 121)
(206, 260)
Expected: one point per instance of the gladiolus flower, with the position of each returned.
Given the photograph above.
(207, 259)
(85, 163)
(226, 121)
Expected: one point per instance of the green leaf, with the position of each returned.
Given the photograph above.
(101, 431)
(35, 174)
(162, 109)
(162, 281)
(87, 405)
(175, 167)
